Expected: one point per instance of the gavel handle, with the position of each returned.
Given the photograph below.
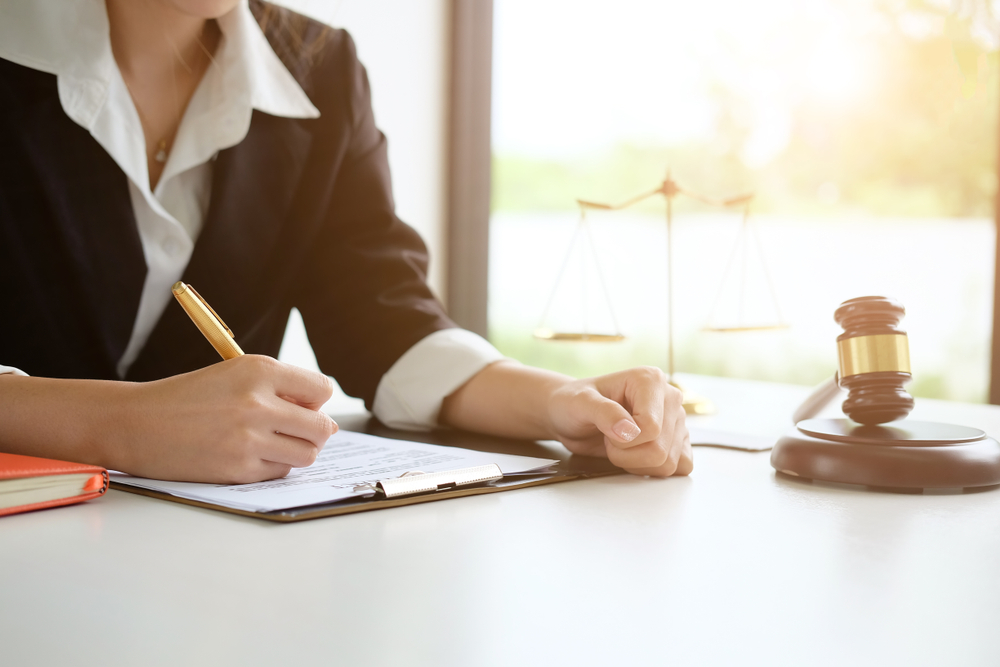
(821, 396)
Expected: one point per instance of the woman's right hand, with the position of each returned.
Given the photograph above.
(243, 420)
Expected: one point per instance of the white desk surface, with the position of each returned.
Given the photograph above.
(732, 566)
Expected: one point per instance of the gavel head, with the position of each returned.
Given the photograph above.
(874, 358)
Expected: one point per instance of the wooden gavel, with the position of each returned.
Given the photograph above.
(876, 446)
(874, 359)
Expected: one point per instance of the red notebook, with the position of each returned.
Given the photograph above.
(30, 483)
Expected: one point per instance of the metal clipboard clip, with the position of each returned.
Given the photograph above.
(413, 483)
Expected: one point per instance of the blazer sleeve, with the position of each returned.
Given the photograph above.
(363, 293)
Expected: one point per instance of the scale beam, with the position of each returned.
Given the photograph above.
(669, 190)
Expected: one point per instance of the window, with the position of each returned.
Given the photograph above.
(866, 130)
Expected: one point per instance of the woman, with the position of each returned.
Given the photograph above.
(233, 146)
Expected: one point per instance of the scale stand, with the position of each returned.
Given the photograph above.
(668, 189)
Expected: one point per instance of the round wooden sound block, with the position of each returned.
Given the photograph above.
(902, 455)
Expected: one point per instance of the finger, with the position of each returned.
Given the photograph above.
(675, 453)
(257, 472)
(675, 432)
(287, 450)
(642, 390)
(611, 419)
(299, 422)
(685, 465)
(298, 385)
(675, 447)
(646, 393)
(270, 470)
(641, 459)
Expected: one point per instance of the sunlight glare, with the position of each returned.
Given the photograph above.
(835, 73)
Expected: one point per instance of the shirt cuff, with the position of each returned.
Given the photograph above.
(12, 371)
(410, 394)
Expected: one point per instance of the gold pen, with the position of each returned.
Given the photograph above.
(207, 320)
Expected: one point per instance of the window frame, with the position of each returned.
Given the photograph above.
(994, 396)
(469, 163)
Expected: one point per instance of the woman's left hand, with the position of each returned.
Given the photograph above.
(633, 417)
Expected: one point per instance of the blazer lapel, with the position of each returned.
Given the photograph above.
(237, 258)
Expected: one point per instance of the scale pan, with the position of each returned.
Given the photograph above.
(764, 327)
(549, 334)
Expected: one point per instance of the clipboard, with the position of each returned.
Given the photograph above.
(446, 485)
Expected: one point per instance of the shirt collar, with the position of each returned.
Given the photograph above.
(70, 38)
(258, 69)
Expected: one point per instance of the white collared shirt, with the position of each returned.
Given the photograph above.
(70, 39)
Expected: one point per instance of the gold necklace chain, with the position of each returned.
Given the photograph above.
(162, 145)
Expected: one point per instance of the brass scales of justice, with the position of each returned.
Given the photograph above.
(669, 190)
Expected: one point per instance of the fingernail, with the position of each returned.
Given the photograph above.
(626, 430)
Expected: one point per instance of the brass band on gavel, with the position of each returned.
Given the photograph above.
(874, 354)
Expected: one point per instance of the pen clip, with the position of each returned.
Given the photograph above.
(211, 310)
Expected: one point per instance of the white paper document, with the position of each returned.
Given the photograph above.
(348, 460)
(732, 440)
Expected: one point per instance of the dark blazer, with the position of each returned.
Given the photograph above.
(301, 215)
